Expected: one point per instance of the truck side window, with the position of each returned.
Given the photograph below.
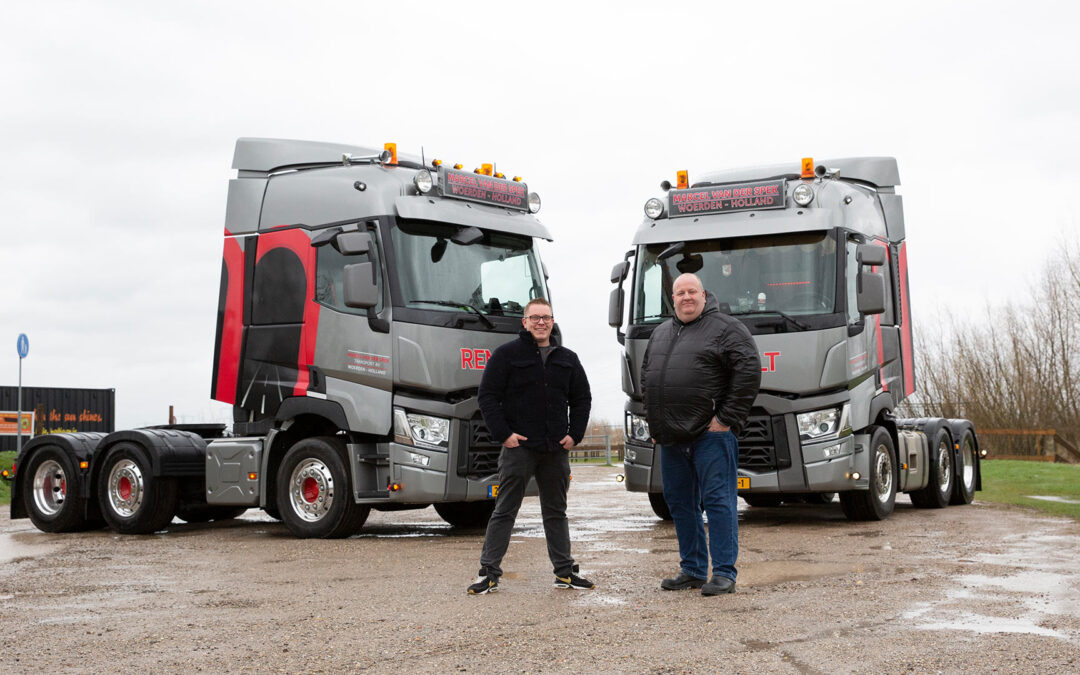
(328, 273)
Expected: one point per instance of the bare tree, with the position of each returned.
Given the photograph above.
(1018, 367)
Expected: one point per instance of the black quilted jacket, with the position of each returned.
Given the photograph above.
(695, 370)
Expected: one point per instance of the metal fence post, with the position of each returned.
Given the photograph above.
(607, 447)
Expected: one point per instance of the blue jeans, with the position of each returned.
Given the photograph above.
(702, 473)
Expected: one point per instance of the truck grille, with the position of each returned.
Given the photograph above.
(482, 455)
(763, 444)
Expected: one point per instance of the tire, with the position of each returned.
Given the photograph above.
(939, 486)
(50, 492)
(466, 514)
(313, 494)
(132, 500)
(819, 498)
(659, 505)
(204, 513)
(878, 502)
(966, 470)
(763, 500)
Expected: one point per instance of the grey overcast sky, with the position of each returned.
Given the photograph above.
(119, 120)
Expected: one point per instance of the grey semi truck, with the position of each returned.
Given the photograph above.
(812, 259)
(361, 295)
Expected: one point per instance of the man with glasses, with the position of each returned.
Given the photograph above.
(535, 396)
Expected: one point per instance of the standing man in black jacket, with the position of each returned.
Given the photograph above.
(535, 396)
(701, 374)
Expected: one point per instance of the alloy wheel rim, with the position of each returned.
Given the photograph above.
(50, 487)
(126, 488)
(311, 490)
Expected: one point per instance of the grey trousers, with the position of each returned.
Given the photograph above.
(552, 472)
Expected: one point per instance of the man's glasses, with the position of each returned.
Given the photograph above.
(537, 318)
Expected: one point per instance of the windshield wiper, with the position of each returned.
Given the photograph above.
(784, 315)
(462, 306)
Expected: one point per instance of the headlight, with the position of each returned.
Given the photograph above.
(421, 430)
(803, 194)
(637, 429)
(422, 181)
(534, 202)
(819, 423)
(654, 208)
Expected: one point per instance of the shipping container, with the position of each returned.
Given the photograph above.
(57, 410)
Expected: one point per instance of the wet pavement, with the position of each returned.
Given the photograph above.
(976, 588)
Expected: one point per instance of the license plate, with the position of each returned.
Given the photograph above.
(493, 491)
(744, 482)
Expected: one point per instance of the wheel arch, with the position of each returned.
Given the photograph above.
(80, 447)
(307, 422)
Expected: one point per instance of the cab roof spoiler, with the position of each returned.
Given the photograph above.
(267, 155)
(880, 172)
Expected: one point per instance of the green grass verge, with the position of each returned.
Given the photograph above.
(6, 458)
(1015, 482)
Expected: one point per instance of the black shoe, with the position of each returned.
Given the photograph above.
(485, 583)
(718, 586)
(574, 581)
(681, 582)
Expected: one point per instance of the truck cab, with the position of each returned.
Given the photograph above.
(812, 258)
(361, 295)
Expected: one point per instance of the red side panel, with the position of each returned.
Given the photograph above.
(906, 352)
(232, 327)
(298, 241)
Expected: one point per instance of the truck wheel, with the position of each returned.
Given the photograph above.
(939, 487)
(659, 505)
(50, 479)
(466, 514)
(878, 502)
(204, 513)
(313, 492)
(964, 486)
(763, 500)
(131, 498)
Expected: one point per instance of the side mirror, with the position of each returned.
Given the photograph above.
(360, 288)
(615, 307)
(352, 243)
(870, 296)
(618, 273)
(870, 254)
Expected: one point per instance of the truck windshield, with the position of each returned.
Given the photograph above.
(784, 274)
(497, 275)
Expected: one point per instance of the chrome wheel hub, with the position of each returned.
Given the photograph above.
(311, 490)
(883, 474)
(126, 489)
(50, 487)
(944, 468)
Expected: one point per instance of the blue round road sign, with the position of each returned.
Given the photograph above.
(24, 345)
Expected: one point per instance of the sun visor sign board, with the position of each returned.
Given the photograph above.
(58, 410)
(699, 201)
(9, 425)
(475, 187)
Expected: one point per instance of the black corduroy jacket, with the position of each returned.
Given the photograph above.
(544, 401)
(696, 370)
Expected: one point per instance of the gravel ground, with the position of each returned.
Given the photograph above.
(977, 588)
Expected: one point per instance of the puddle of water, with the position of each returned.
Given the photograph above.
(1050, 498)
(14, 547)
(1037, 575)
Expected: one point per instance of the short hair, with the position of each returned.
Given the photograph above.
(536, 301)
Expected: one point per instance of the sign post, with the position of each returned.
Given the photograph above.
(23, 346)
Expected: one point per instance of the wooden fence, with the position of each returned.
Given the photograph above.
(1034, 445)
